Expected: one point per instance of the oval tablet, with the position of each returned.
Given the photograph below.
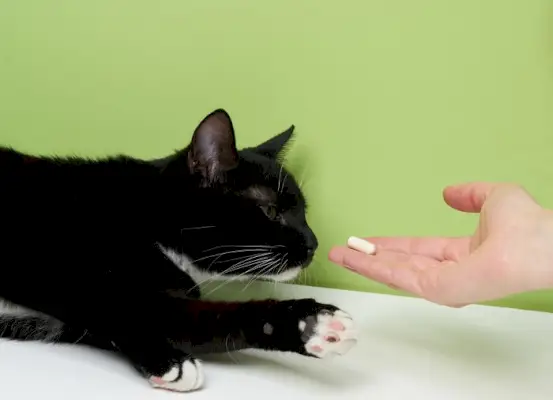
(361, 245)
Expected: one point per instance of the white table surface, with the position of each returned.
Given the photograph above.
(408, 348)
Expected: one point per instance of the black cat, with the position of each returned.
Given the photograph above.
(109, 253)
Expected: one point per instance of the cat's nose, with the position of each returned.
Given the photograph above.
(311, 242)
(312, 245)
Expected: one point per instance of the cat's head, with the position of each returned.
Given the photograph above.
(250, 220)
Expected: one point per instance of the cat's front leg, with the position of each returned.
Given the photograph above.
(307, 327)
(163, 334)
(301, 326)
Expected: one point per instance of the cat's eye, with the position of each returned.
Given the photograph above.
(271, 211)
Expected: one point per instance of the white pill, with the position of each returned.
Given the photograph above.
(361, 245)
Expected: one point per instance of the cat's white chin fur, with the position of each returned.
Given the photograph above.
(285, 276)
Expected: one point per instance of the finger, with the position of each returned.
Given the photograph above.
(339, 255)
(438, 248)
(470, 197)
(346, 257)
(356, 259)
(447, 283)
(364, 264)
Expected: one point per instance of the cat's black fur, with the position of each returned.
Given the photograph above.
(104, 252)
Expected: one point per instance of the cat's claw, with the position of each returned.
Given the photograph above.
(328, 333)
(185, 377)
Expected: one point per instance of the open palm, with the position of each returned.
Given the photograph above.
(457, 271)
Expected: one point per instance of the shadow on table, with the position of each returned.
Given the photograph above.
(320, 372)
(462, 344)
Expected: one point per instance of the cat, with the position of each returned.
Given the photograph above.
(110, 253)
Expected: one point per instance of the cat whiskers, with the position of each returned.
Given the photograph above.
(281, 182)
(283, 264)
(241, 249)
(192, 228)
(253, 267)
(253, 259)
(228, 350)
(241, 261)
(308, 278)
(238, 264)
(282, 186)
(235, 277)
(215, 261)
(279, 176)
(223, 253)
(243, 264)
(267, 266)
(255, 246)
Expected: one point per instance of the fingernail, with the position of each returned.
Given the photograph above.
(361, 245)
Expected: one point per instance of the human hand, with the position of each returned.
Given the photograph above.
(510, 252)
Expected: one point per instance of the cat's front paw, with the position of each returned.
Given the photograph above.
(185, 376)
(328, 332)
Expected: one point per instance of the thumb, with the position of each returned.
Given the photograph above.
(470, 197)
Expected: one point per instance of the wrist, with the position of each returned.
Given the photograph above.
(545, 247)
(547, 218)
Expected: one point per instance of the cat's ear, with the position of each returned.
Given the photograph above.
(213, 151)
(276, 146)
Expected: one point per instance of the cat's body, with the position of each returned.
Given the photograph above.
(110, 253)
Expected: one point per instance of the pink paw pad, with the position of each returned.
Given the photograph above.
(157, 380)
(316, 348)
(333, 334)
(332, 339)
(337, 326)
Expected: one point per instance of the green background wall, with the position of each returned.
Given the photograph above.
(392, 99)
